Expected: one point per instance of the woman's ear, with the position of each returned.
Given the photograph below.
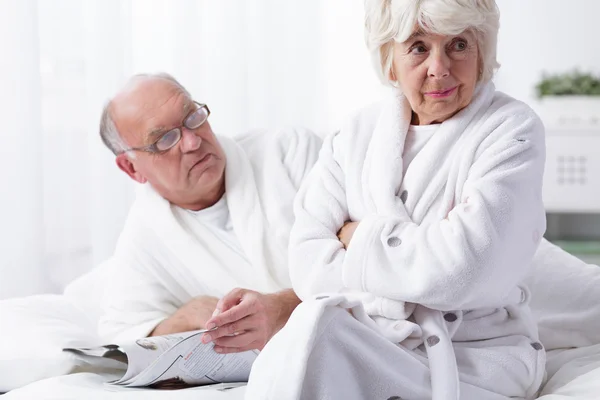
(127, 166)
(392, 75)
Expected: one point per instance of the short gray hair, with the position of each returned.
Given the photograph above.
(108, 130)
(389, 21)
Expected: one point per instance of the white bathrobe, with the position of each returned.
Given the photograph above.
(165, 256)
(432, 276)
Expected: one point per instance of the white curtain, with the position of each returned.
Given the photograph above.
(257, 63)
(21, 224)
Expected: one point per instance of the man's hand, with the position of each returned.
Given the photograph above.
(247, 319)
(345, 234)
(190, 317)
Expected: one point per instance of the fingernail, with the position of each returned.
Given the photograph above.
(206, 338)
(218, 349)
(210, 325)
(216, 312)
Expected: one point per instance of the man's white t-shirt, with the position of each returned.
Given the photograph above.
(218, 219)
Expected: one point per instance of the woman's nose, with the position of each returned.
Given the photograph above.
(439, 65)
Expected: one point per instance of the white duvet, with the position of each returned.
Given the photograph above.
(565, 300)
(575, 374)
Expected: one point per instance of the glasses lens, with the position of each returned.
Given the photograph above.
(168, 140)
(197, 118)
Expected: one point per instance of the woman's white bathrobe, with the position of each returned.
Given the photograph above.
(165, 256)
(432, 276)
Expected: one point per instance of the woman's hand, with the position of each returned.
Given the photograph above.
(345, 234)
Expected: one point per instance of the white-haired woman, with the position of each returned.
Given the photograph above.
(421, 218)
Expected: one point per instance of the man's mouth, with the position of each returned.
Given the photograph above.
(201, 162)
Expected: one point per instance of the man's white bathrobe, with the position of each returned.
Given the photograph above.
(427, 302)
(165, 256)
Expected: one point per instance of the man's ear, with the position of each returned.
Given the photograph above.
(125, 165)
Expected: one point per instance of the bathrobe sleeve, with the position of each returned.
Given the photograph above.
(482, 250)
(316, 255)
(137, 298)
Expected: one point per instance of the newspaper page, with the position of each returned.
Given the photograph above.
(170, 362)
(143, 352)
(191, 362)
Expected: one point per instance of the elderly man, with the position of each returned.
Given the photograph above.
(212, 215)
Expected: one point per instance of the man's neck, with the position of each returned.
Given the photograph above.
(208, 200)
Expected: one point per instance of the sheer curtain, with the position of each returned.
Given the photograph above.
(257, 63)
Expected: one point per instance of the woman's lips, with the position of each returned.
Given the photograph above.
(439, 94)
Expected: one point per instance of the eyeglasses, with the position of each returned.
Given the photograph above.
(193, 120)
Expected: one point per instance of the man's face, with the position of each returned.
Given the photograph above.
(191, 173)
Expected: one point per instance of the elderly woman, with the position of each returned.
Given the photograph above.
(416, 227)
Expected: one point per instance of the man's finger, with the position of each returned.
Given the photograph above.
(227, 350)
(245, 324)
(241, 340)
(236, 313)
(231, 299)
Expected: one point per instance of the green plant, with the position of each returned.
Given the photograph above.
(573, 83)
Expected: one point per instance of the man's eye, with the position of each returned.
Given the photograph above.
(168, 140)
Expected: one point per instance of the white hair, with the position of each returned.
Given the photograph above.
(389, 21)
(108, 130)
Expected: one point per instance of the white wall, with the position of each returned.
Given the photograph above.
(535, 36)
(550, 36)
(545, 35)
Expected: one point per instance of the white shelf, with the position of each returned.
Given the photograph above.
(572, 174)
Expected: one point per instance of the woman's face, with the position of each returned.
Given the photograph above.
(437, 74)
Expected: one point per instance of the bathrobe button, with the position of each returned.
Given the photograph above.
(537, 346)
(523, 296)
(399, 326)
(450, 317)
(394, 241)
(404, 196)
(433, 340)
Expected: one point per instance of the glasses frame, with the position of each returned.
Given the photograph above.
(151, 148)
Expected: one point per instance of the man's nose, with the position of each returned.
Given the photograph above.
(189, 140)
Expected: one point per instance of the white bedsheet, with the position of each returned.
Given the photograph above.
(91, 386)
(573, 374)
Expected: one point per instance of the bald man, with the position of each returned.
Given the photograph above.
(205, 243)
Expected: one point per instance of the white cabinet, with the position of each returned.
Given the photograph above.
(572, 176)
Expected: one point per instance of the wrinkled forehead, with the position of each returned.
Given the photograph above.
(419, 32)
(142, 107)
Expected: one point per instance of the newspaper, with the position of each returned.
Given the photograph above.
(174, 361)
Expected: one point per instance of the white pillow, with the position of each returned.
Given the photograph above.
(565, 298)
(87, 291)
(33, 331)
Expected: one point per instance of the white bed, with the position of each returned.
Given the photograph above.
(33, 330)
(575, 375)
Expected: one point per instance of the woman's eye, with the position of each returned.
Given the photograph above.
(460, 45)
(418, 49)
